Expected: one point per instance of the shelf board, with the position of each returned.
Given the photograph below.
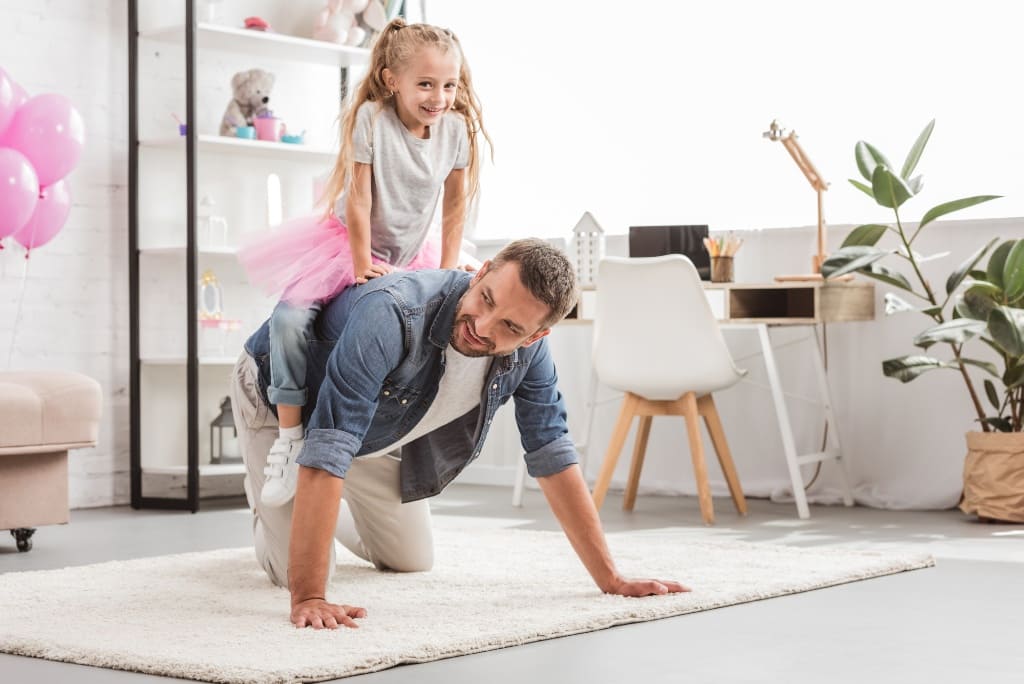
(226, 144)
(180, 360)
(180, 249)
(267, 45)
(204, 470)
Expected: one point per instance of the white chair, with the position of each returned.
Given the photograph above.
(656, 340)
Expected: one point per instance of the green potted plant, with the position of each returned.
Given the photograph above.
(980, 305)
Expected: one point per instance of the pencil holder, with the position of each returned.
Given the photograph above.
(721, 269)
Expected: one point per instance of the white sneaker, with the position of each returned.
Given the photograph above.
(282, 472)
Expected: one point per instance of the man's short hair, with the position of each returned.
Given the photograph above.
(546, 272)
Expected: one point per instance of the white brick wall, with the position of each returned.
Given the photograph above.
(75, 308)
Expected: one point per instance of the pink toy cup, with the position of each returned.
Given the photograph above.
(269, 128)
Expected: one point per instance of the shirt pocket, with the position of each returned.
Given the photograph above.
(394, 399)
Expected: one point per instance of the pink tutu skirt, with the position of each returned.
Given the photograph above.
(308, 259)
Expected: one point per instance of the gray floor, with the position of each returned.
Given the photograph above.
(957, 622)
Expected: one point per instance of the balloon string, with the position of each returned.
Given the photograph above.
(17, 314)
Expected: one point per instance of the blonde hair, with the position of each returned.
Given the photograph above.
(394, 48)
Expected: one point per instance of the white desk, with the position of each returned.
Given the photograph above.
(760, 307)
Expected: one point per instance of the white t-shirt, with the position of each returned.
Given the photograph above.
(408, 177)
(458, 392)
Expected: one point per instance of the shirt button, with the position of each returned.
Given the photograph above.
(405, 401)
(494, 386)
(387, 393)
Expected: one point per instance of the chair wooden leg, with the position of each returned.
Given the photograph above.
(611, 457)
(706, 406)
(639, 449)
(700, 469)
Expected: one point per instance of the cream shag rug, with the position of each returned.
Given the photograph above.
(214, 616)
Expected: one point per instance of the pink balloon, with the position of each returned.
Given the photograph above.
(8, 102)
(49, 131)
(20, 96)
(19, 191)
(51, 212)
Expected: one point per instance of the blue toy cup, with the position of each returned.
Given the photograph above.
(247, 132)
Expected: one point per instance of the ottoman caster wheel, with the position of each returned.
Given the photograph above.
(23, 537)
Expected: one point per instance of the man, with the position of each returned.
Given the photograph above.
(410, 370)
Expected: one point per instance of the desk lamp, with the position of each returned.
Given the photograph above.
(776, 132)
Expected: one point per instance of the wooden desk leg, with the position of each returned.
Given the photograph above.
(821, 374)
(785, 427)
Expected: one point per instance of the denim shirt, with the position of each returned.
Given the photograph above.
(376, 356)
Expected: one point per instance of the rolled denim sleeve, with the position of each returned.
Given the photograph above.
(541, 417)
(368, 349)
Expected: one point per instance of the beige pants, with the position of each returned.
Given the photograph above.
(373, 523)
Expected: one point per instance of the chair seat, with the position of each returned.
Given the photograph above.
(47, 411)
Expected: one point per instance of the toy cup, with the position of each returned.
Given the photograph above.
(270, 128)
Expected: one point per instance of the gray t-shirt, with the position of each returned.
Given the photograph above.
(458, 391)
(408, 177)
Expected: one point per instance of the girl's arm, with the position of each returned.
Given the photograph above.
(357, 215)
(453, 217)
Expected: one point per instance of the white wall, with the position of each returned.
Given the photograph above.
(653, 112)
(75, 311)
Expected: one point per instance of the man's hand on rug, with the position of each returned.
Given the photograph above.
(318, 614)
(645, 587)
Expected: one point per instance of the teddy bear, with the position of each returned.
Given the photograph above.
(250, 96)
(337, 22)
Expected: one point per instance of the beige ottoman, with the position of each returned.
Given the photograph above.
(42, 415)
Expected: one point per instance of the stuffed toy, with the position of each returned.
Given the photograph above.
(250, 98)
(339, 21)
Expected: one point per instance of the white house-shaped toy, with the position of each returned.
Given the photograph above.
(588, 248)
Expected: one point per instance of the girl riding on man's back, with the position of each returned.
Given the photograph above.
(409, 139)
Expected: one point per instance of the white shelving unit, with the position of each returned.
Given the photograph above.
(266, 44)
(179, 379)
(218, 144)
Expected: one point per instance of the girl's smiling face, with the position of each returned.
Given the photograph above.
(425, 89)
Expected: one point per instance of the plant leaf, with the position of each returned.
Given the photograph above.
(866, 162)
(957, 276)
(915, 152)
(876, 159)
(1014, 376)
(890, 190)
(932, 311)
(986, 366)
(950, 207)
(1000, 423)
(994, 272)
(956, 331)
(849, 259)
(977, 300)
(993, 396)
(916, 184)
(906, 368)
(1006, 326)
(868, 234)
(866, 189)
(1013, 273)
(887, 275)
(895, 304)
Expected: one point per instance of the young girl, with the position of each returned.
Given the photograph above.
(409, 138)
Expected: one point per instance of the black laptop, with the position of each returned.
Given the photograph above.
(648, 241)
